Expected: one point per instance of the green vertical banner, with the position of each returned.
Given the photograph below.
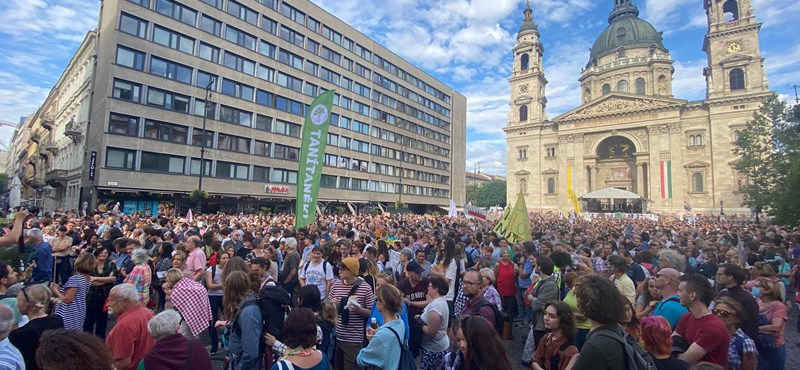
(312, 154)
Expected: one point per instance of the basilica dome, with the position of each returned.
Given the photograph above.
(625, 29)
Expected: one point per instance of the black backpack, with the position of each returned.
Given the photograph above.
(500, 317)
(636, 358)
(407, 361)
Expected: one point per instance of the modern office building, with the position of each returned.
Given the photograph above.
(397, 134)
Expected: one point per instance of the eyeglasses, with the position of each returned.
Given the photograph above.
(722, 314)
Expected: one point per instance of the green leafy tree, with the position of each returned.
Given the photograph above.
(769, 151)
(488, 194)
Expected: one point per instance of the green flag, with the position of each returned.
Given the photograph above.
(519, 224)
(312, 154)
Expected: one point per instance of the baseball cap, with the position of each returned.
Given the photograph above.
(414, 267)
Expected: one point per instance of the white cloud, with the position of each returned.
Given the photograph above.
(65, 20)
(688, 82)
(664, 15)
(776, 12)
(547, 12)
(562, 67)
(487, 155)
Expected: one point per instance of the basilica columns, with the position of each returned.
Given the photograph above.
(640, 186)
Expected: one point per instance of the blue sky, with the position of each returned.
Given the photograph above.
(466, 44)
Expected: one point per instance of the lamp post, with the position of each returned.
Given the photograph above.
(206, 109)
(721, 211)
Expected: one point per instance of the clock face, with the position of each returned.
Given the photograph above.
(734, 47)
(523, 89)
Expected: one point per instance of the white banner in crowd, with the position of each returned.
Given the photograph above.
(474, 212)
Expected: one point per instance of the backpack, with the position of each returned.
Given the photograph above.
(500, 317)
(324, 268)
(636, 358)
(407, 361)
(472, 257)
(556, 359)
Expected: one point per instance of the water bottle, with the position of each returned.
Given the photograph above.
(373, 323)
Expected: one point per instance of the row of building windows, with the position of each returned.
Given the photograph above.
(181, 73)
(622, 86)
(138, 27)
(126, 159)
(249, 41)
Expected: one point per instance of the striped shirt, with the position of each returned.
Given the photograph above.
(74, 313)
(353, 332)
(10, 357)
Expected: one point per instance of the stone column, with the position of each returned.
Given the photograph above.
(595, 172)
(640, 179)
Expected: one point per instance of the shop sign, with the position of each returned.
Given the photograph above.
(276, 189)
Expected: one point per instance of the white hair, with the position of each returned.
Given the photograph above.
(139, 255)
(127, 292)
(164, 324)
(7, 319)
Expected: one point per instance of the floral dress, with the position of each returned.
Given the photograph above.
(141, 277)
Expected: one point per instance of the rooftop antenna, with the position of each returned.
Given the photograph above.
(796, 96)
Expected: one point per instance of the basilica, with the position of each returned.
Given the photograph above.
(630, 132)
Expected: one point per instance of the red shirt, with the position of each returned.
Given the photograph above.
(708, 332)
(129, 337)
(505, 279)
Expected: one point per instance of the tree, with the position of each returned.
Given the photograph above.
(488, 194)
(769, 150)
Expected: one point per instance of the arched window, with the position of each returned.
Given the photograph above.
(697, 182)
(691, 140)
(698, 140)
(523, 186)
(737, 79)
(622, 86)
(606, 89)
(524, 62)
(523, 113)
(640, 86)
(736, 135)
(730, 11)
(551, 186)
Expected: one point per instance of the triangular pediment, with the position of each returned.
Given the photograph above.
(696, 164)
(550, 171)
(740, 58)
(522, 173)
(616, 103)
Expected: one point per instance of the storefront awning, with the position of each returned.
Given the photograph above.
(611, 193)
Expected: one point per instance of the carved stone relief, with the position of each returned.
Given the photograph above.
(619, 105)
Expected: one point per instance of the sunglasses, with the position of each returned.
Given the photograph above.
(722, 314)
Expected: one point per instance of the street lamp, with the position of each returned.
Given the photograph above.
(721, 211)
(203, 146)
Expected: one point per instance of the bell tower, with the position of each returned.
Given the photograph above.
(735, 66)
(528, 101)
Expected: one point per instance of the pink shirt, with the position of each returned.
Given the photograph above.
(194, 262)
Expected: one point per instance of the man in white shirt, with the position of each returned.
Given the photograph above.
(317, 272)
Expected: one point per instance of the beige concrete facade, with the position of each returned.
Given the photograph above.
(409, 113)
(629, 125)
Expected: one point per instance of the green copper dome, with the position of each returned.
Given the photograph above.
(625, 29)
(527, 22)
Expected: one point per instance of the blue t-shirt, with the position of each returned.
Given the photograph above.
(527, 268)
(324, 364)
(379, 318)
(671, 309)
(43, 255)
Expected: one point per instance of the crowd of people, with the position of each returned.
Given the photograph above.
(395, 292)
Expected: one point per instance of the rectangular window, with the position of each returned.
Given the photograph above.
(120, 124)
(292, 13)
(238, 63)
(211, 25)
(289, 105)
(237, 90)
(310, 89)
(311, 67)
(272, 4)
(331, 34)
(286, 128)
(260, 173)
(331, 55)
(177, 11)
(144, 3)
(361, 108)
(266, 48)
(267, 24)
(234, 116)
(331, 160)
(292, 36)
(127, 90)
(165, 132)
(361, 89)
(347, 44)
(208, 52)
(312, 24)
(130, 58)
(132, 25)
(172, 39)
(167, 100)
(328, 181)
(233, 143)
(228, 170)
(265, 73)
(333, 139)
(347, 63)
(261, 148)
(203, 80)
(344, 183)
(290, 59)
(242, 12)
(194, 167)
(328, 75)
(290, 82)
(170, 70)
(263, 122)
(200, 108)
(265, 98)
(312, 46)
(197, 138)
(283, 176)
(156, 162)
(120, 158)
(240, 37)
(286, 152)
(361, 127)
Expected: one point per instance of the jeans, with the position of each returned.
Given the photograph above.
(63, 269)
(216, 306)
(771, 358)
(523, 313)
(96, 321)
